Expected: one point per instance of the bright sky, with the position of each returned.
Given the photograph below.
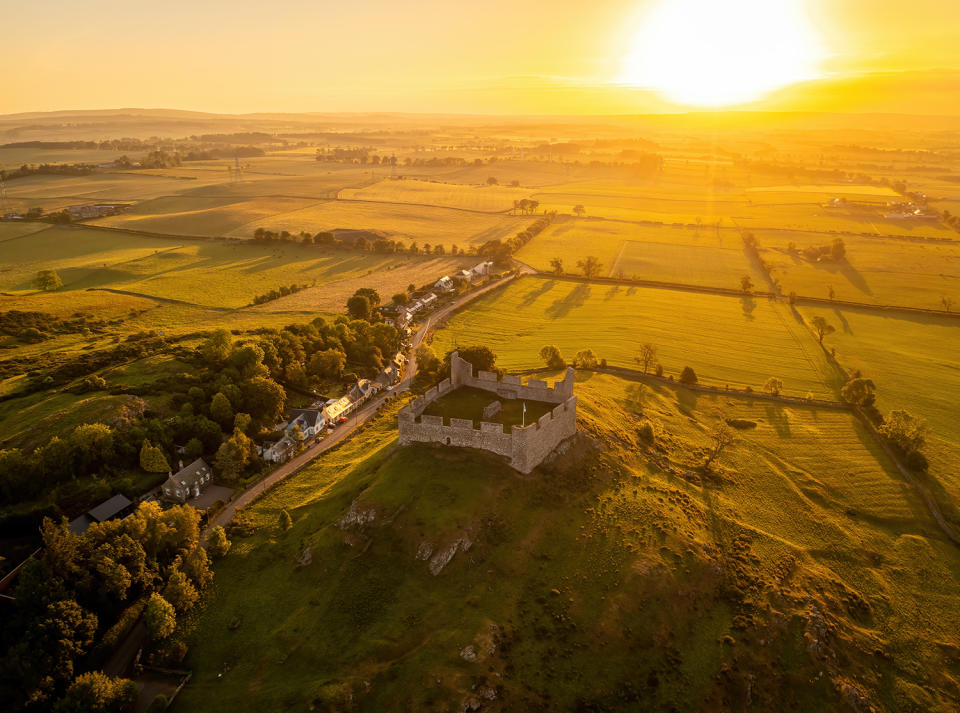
(498, 56)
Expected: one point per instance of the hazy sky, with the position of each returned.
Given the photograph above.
(376, 55)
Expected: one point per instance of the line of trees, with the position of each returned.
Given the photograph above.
(500, 250)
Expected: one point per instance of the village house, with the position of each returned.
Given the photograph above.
(310, 421)
(428, 300)
(187, 482)
(444, 284)
(281, 451)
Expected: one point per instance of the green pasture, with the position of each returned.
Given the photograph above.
(727, 340)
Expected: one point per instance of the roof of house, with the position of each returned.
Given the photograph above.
(79, 525)
(110, 508)
(305, 418)
(191, 474)
(285, 443)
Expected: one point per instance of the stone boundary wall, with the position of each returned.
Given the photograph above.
(525, 447)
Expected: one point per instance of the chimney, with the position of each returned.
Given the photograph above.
(181, 464)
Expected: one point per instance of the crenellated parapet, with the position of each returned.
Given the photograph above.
(525, 447)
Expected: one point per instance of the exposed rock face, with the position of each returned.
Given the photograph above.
(356, 516)
(442, 558)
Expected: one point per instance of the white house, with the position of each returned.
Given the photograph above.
(281, 451)
(444, 284)
(428, 300)
(187, 482)
(310, 421)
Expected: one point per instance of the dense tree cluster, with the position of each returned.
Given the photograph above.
(71, 593)
(500, 250)
(32, 327)
(48, 169)
(283, 291)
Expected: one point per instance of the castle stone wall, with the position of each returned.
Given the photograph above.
(524, 447)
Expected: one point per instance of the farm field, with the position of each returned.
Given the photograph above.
(666, 254)
(409, 223)
(877, 271)
(210, 216)
(483, 198)
(913, 362)
(360, 616)
(740, 342)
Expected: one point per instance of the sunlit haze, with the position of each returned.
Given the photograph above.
(708, 53)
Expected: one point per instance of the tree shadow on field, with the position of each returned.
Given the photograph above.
(612, 292)
(631, 290)
(777, 415)
(748, 304)
(687, 400)
(576, 298)
(847, 329)
(534, 294)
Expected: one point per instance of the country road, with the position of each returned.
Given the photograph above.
(357, 418)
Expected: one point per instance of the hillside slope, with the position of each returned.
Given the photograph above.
(798, 573)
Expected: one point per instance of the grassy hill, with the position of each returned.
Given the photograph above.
(799, 573)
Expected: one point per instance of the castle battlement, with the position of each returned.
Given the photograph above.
(524, 446)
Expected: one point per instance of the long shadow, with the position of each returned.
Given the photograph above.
(687, 399)
(778, 418)
(576, 298)
(847, 329)
(533, 295)
(612, 292)
(749, 305)
(854, 277)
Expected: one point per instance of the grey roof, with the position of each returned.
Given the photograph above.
(191, 473)
(308, 417)
(110, 508)
(80, 524)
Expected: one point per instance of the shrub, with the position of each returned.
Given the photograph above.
(688, 376)
(552, 357)
(218, 545)
(645, 432)
(585, 359)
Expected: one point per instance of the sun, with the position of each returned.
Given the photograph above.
(714, 53)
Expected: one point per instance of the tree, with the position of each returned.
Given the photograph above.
(95, 692)
(241, 422)
(722, 436)
(746, 284)
(947, 303)
(180, 591)
(906, 432)
(370, 293)
(327, 364)
(284, 521)
(263, 399)
(54, 641)
(401, 298)
(822, 328)
(216, 348)
(646, 356)
(579, 210)
(589, 266)
(47, 280)
(234, 455)
(773, 386)
(552, 357)
(358, 307)
(218, 545)
(492, 181)
(859, 391)
(688, 376)
(556, 266)
(193, 449)
(585, 359)
(152, 459)
(159, 617)
(830, 293)
(220, 410)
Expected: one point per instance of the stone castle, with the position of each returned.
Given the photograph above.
(525, 447)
